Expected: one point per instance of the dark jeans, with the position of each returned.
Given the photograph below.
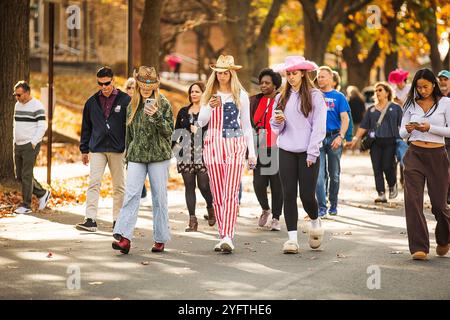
(203, 185)
(293, 173)
(24, 161)
(382, 154)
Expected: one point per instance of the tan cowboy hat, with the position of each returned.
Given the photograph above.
(224, 63)
(146, 77)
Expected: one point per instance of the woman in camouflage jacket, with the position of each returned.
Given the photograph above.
(148, 151)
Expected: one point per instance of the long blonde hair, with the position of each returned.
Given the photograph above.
(136, 100)
(213, 85)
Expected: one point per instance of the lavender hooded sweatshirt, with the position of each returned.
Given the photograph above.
(300, 134)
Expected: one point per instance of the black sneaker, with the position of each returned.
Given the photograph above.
(88, 225)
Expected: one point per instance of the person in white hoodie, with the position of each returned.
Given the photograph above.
(29, 129)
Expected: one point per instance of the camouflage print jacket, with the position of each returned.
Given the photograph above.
(150, 140)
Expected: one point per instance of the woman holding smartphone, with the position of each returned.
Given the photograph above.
(424, 123)
(225, 108)
(299, 120)
(148, 144)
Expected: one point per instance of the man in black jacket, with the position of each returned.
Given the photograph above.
(103, 143)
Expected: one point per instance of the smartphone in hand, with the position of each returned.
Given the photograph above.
(149, 102)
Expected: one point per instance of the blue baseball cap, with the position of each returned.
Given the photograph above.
(444, 73)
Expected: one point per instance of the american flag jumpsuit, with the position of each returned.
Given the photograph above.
(224, 155)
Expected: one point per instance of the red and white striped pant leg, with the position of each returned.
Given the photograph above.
(214, 155)
(235, 155)
(215, 169)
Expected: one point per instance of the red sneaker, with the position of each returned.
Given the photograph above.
(123, 245)
(158, 247)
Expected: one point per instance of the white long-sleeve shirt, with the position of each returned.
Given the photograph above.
(29, 122)
(244, 116)
(438, 122)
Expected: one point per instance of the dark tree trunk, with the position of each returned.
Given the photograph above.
(318, 31)
(258, 51)
(150, 33)
(236, 36)
(433, 41)
(14, 66)
(391, 61)
(359, 71)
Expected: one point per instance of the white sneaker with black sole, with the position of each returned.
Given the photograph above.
(43, 201)
(226, 245)
(23, 210)
(88, 225)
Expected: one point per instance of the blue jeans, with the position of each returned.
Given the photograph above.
(400, 151)
(158, 173)
(330, 164)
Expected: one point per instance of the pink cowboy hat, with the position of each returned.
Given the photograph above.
(292, 63)
(398, 76)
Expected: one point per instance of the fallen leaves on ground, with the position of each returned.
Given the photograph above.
(8, 202)
(62, 153)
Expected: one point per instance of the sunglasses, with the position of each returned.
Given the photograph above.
(101, 84)
(129, 88)
(379, 90)
(16, 95)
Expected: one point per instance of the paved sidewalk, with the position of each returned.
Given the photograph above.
(363, 239)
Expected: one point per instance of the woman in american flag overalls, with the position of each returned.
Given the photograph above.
(226, 107)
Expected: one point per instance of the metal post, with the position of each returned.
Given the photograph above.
(85, 31)
(130, 39)
(51, 39)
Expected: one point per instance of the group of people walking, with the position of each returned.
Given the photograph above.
(292, 136)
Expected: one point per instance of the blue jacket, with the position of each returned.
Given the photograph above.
(100, 134)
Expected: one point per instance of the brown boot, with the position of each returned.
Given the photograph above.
(211, 216)
(193, 224)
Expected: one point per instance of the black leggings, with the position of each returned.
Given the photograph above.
(203, 185)
(260, 184)
(382, 154)
(294, 172)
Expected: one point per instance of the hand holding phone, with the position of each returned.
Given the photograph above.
(150, 106)
(279, 116)
(411, 126)
(215, 101)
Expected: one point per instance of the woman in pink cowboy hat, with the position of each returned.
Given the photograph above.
(226, 110)
(299, 120)
(398, 78)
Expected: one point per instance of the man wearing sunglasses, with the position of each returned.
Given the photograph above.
(29, 129)
(103, 143)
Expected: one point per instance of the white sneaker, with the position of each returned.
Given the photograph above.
(275, 225)
(226, 245)
(217, 247)
(44, 200)
(316, 236)
(23, 210)
(290, 246)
